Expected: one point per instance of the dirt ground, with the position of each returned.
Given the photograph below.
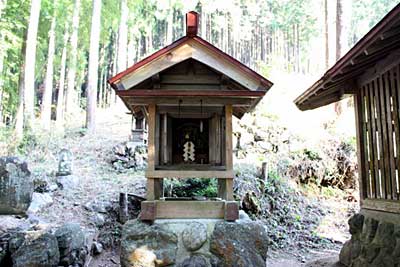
(99, 181)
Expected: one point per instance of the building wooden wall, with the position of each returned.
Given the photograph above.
(378, 117)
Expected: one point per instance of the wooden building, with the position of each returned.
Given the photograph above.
(188, 93)
(370, 73)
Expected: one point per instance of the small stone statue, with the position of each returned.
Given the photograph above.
(65, 162)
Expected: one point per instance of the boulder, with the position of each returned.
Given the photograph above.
(34, 250)
(39, 202)
(243, 244)
(65, 162)
(43, 184)
(195, 261)
(68, 182)
(16, 186)
(243, 216)
(97, 248)
(145, 245)
(98, 220)
(98, 206)
(194, 236)
(129, 155)
(356, 223)
(71, 242)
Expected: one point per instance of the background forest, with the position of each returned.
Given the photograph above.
(56, 56)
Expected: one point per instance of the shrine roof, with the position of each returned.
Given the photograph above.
(194, 47)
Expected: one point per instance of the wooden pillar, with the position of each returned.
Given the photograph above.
(361, 144)
(164, 141)
(225, 186)
(225, 189)
(154, 188)
(151, 137)
(228, 138)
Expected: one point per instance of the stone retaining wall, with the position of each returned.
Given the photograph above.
(375, 240)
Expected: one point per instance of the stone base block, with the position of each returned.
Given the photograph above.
(194, 242)
(375, 240)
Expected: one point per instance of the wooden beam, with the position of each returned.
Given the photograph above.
(388, 43)
(189, 174)
(190, 109)
(190, 93)
(190, 101)
(318, 102)
(395, 31)
(190, 209)
(190, 79)
(382, 205)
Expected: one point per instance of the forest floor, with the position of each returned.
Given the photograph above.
(100, 182)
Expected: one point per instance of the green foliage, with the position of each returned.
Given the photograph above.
(190, 187)
(365, 14)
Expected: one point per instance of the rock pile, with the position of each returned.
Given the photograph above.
(373, 243)
(129, 155)
(202, 243)
(64, 246)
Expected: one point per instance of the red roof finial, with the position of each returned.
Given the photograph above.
(192, 23)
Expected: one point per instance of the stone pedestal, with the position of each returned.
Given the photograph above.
(188, 242)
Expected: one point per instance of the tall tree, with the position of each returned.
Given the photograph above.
(326, 34)
(342, 29)
(30, 60)
(70, 101)
(93, 67)
(122, 37)
(48, 84)
(19, 117)
(341, 37)
(170, 23)
(3, 4)
(61, 86)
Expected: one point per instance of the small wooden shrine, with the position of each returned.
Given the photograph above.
(370, 72)
(188, 92)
